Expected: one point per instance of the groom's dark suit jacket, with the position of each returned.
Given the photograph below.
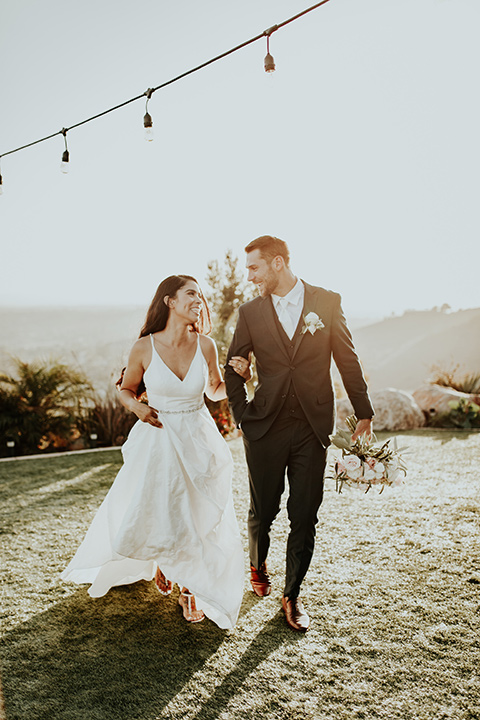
(303, 364)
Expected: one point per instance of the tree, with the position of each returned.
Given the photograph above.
(228, 290)
(41, 404)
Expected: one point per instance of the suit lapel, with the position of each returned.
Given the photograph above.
(269, 316)
(308, 305)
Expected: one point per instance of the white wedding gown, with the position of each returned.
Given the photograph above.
(171, 503)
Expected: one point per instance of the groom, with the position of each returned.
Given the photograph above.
(294, 330)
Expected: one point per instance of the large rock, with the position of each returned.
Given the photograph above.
(394, 410)
(435, 399)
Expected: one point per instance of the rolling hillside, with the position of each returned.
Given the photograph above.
(395, 352)
(401, 351)
(96, 340)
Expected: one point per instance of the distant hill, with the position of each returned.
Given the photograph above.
(96, 339)
(396, 352)
(401, 351)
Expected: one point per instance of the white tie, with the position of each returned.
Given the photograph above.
(284, 317)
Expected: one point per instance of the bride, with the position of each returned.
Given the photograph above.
(169, 513)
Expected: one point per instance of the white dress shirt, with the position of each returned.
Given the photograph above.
(289, 308)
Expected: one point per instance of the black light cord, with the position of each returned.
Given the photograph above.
(150, 91)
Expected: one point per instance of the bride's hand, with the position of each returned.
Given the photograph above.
(241, 366)
(147, 414)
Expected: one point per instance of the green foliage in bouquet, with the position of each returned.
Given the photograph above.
(364, 462)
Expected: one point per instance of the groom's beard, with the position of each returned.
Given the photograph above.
(268, 285)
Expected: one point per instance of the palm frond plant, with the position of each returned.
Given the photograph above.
(40, 405)
(109, 420)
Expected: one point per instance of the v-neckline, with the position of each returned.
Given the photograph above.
(170, 369)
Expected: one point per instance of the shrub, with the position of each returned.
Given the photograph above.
(451, 377)
(109, 420)
(221, 414)
(40, 405)
(465, 414)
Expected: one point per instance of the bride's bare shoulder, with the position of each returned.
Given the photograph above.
(208, 346)
(141, 347)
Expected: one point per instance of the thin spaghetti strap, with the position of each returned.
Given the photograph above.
(151, 339)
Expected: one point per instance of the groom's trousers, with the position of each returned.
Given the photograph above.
(289, 448)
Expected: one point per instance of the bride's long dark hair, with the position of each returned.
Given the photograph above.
(158, 312)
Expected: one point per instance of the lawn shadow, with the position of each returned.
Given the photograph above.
(124, 655)
(274, 634)
(30, 476)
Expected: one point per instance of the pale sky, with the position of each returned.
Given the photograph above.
(362, 150)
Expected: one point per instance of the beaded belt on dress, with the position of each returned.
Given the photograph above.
(182, 412)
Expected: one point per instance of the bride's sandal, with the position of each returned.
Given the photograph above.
(187, 603)
(163, 585)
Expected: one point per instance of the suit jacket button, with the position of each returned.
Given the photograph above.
(292, 367)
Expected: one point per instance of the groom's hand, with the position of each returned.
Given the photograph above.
(364, 427)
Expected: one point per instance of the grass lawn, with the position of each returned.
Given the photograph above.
(393, 593)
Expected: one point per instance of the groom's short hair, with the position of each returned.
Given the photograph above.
(270, 247)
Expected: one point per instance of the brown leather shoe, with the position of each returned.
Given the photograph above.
(295, 614)
(260, 580)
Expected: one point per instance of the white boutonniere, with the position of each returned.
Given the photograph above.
(312, 323)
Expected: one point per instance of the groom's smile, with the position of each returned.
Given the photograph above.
(261, 273)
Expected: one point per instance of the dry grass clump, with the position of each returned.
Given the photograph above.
(393, 593)
(453, 377)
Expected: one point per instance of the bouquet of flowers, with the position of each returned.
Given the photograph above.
(364, 463)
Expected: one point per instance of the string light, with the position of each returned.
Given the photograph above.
(64, 165)
(147, 118)
(269, 64)
(1, 184)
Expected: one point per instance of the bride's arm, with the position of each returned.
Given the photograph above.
(131, 380)
(215, 389)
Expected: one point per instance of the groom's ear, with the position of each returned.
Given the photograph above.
(278, 263)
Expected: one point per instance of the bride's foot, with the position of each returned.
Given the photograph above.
(187, 603)
(164, 586)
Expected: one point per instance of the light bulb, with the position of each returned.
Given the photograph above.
(1, 185)
(65, 166)
(148, 125)
(269, 63)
